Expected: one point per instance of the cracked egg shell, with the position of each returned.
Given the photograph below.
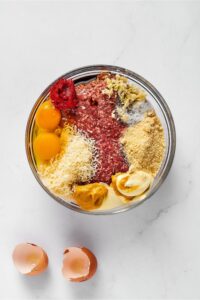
(30, 259)
(79, 264)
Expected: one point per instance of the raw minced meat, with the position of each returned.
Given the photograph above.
(93, 117)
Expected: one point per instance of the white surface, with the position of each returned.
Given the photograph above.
(154, 250)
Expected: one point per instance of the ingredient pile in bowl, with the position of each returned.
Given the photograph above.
(99, 144)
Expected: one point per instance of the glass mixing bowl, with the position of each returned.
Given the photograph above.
(154, 97)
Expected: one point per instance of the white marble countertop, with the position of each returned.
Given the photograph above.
(152, 251)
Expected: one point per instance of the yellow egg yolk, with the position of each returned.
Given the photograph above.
(47, 116)
(46, 146)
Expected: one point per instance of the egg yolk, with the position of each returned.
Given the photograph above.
(46, 146)
(47, 116)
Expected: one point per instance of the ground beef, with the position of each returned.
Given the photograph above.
(93, 116)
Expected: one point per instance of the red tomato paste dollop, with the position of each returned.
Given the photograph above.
(93, 115)
(63, 94)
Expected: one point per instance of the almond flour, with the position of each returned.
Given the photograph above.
(144, 144)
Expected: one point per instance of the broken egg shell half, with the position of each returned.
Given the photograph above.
(30, 259)
(79, 264)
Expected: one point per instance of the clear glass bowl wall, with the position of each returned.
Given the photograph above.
(154, 97)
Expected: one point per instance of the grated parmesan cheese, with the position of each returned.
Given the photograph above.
(74, 164)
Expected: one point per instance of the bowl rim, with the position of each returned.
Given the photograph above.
(166, 113)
